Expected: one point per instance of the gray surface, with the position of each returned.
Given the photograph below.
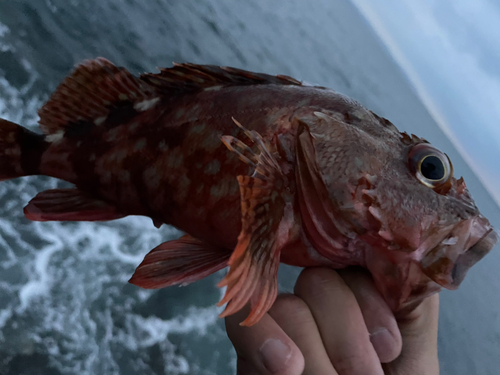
(65, 307)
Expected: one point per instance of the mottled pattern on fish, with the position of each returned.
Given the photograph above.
(276, 170)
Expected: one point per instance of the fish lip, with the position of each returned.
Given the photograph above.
(447, 265)
(474, 254)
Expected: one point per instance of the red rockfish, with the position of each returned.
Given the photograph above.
(257, 170)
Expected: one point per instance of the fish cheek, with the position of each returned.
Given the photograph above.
(345, 155)
(403, 211)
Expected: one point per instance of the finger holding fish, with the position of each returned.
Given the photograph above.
(326, 320)
(332, 319)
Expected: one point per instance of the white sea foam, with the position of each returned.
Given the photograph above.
(3, 30)
(39, 284)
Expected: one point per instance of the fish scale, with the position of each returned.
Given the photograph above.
(257, 170)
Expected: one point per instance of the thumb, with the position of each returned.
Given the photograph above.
(419, 331)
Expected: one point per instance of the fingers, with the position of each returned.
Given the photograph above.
(294, 316)
(419, 331)
(340, 322)
(263, 348)
(336, 325)
(379, 319)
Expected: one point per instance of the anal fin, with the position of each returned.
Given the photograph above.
(69, 205)
(267, 225)
(181, 261)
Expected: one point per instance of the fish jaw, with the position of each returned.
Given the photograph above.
(399, 279)
(468, 242)
(406, 278)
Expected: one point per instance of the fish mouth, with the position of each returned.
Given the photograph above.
(472, 256)
(448, 263)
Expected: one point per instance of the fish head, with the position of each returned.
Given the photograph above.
(425, 213)
(394, 206)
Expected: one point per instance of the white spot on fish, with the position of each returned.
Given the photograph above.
(183, 184)
(213, 167)
(319, 136)
(124, 176)
(213, 88)
(450, 241)
(64, 157)
(12, 151)
(211, 143)
(175, 159)
(140, 144)
(375, 213)
(224, 188)
(180, 112)
(216, 191)
(197, 129)
(322, 116)
(146, 104)
(98, 121)
(386, 235)
(113, 134)
(359, 162)
(362, 114)
(133, 126)
(194, 113)
(11, 138)
(120, 155)
(105, 177)
(152, 177)
(162, 146)
(55, 137)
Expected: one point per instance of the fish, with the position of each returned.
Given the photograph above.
(257, 170)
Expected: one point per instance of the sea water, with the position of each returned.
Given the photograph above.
(65, 304)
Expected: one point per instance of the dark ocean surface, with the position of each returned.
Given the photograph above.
(65, 305)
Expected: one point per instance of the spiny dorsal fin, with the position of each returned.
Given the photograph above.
(90, 93)
(191, 77)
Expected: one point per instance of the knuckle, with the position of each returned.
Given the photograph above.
(319, 281)
(353, 365)
(244, 367)
(292, 308)
(285, 301)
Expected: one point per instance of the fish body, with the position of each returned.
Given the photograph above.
(257, 170)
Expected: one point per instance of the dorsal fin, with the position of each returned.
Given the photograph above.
(191, 77)
(97, 88)
(90, 93)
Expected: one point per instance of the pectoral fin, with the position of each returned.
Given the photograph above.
(267, 222)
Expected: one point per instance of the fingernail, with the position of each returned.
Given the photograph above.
(383, 343)
(275, 355)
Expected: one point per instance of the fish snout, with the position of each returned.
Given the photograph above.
(468, 242)
(472, 256)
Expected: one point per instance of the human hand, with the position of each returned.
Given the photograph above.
(337, 323)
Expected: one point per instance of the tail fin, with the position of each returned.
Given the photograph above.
(20, 151)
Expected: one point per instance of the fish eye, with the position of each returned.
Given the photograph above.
(431, 167)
